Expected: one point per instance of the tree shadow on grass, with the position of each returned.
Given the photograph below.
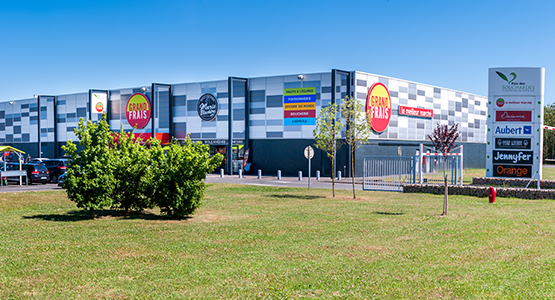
(83, 215)
(389, 213)
(304, 197)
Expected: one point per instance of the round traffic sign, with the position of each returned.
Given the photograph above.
(308, 152)
(7, 153)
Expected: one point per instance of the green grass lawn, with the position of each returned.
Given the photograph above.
(268, 242)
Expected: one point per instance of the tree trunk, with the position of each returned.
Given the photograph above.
(333, 175)
(91, 210)
(446, 187)
(445, 196)
(353, 171)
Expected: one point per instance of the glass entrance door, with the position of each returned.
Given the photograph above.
(162, 103)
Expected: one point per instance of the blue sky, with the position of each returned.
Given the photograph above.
(61, 47)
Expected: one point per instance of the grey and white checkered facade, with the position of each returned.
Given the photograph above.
(263, 118)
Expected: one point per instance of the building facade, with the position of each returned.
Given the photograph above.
(273, 117)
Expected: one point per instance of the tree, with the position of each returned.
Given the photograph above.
(328, 127)
(443, 137)
(133, 173)
(90, 175)
(549, 135)
(115, 170)
(179, 172)
(357, 129)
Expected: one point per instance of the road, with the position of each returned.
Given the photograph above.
(323, 183)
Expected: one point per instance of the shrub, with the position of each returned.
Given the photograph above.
(90, 180)
(121, 172)
(179, 173)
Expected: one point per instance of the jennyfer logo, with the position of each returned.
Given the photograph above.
(505, 77)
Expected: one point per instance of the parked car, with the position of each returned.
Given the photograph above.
(38, 160)
(61, 180)
(36, 173)
(56, 167)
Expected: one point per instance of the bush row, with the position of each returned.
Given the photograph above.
(122, 172)
(480, 191)
(545, 184)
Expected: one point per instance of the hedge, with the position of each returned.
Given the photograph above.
(480, 191)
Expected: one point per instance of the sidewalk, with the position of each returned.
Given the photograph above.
(323, 183)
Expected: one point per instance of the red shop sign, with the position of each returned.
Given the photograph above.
(416, 112)
(513, 116)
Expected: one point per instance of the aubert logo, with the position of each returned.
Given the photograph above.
(505, 77)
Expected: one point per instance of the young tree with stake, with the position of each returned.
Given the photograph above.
(328, 127)
(443, 137)
(357, 129)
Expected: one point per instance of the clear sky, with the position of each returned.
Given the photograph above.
(62, 47)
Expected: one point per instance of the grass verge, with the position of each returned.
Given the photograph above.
(272, 242)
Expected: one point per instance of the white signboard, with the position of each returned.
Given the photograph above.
(515, 116)
(99, 101)
(308, 152)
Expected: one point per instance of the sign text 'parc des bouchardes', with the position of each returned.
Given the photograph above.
(378, 107)
(138, 110)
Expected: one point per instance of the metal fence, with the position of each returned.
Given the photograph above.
(389, 173)
(433, 166)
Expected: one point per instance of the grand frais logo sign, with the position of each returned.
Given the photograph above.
(378, 107)
(138, 111)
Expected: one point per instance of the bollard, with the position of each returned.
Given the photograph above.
(338, 175)
(240, 173)
(259, 174)
(279, 174)
(222, 173)
(300, 175)
(317, 175)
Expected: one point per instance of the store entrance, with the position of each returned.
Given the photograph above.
(237, 157)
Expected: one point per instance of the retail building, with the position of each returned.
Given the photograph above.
(260, 114)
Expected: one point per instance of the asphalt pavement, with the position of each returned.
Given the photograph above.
(323, 183)
(15, 187)
(286, 181)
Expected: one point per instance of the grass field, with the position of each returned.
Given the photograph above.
(268, 242)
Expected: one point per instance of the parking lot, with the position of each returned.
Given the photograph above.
(15, 187)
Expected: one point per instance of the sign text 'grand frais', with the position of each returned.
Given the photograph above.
(515, 118)
(138, 111)
(378, 107)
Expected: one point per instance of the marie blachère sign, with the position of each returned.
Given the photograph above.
(515, 116)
